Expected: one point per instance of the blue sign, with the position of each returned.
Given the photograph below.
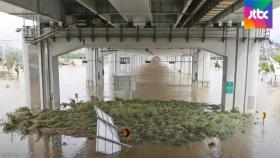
(229, 87)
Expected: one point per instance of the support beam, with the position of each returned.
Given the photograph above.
(193, 12)
(187, 4)
(135, 11)
(90, 4)
(228, 11)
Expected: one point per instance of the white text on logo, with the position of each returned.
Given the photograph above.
(258, 14)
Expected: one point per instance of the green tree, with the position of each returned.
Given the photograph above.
(277, 58)
(11, 59)
(265, 67)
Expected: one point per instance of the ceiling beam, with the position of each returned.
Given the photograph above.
(188, 3)
(90, 4)
(135, 11)
(216, 7)
(228, 11)
(194, 12)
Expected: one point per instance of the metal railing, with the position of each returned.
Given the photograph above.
(72, 31)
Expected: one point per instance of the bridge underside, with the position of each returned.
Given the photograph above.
(112, 13)
(239, 49)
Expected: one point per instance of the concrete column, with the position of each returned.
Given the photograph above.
(177, 64)
(95, 70)
(247, 56)
(203, 67)
(194, 68)
(54, 76)
(41, 77)
(188, 65)
(116, 64)
(45, 76)
(31, 58)
(185, 65)
(90, 65)
(252, 78)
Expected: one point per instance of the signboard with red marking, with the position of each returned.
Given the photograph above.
(126, 133)
(107, 139)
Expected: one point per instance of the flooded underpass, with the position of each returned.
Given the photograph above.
(153, 81)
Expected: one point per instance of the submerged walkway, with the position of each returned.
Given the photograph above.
(159, 81)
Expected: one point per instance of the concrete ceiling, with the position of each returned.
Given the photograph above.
(138, 12)
(237, 16)
(130, 13)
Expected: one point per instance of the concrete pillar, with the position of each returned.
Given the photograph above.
(41, 77)
(246, 59)
(95, 70)
(31, 58)
(54, 76)
(194, 69)
(177, 64)
(252, 77)
(186, 64)
(116, 64)
(203, 68)
(90, 66)
(45, 76)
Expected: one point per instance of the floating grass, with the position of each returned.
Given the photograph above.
(172, 122)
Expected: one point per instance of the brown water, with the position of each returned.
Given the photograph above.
(154, 81)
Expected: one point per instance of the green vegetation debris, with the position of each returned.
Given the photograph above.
(166, 122)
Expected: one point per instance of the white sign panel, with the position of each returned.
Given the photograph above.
(107, 139)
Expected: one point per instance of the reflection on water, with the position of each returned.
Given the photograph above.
(154, 81)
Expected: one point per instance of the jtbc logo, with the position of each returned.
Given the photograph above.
(258, 14)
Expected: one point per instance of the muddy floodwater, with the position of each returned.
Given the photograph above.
(153, 81)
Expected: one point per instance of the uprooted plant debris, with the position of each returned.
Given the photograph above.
(172, 122)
